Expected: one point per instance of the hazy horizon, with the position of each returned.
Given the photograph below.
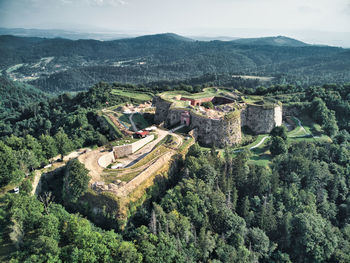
(315, 22)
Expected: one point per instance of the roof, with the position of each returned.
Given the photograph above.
(142, 133)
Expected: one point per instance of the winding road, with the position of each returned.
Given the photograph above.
(301, 126)
(255, 146)
(132, 122)
(261, 142)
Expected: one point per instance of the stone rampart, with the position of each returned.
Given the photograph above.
(127, 149)
(219, 132)
(106, 159)
(260, 118)
(226, 130)
(162, 109)
(173, 117)
(122, 151)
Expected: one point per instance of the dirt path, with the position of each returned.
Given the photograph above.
(36, 185)
(36, 181)
(90, 160)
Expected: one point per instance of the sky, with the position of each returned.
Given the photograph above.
(312, 21)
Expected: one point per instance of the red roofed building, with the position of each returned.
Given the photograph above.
(141, 134)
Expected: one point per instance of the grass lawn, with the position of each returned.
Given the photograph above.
(124, 119)
(252, 99)
(140, 121)
(261, 154)
(312, 131)
(207, 92)
(13, 68)
(322, 138)
(124, 141)
(133, 95)
(111, 177)
(257, 141)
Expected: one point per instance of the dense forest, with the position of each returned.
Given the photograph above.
(221, 208)
(58, 65)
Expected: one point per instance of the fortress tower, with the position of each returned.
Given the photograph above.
(220, 126)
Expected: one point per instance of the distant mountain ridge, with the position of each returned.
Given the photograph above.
(274, 41)
(58, 33)
(57, 64)
(73, 35)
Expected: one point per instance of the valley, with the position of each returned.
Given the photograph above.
(59, 65)
(204, 152)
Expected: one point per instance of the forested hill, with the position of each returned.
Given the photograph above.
(15, 96)
(274, 41)
(60, 64)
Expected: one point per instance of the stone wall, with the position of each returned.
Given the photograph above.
(224, 131)
(106, 159)
(122, 151)
(174, 117)
(127, 149)
(261, 119)
(197, 102)
(218, 132)
(221, 132)
(162, 108)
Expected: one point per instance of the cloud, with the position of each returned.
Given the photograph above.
(347, 9)
(114, 3)
(74, 2)
(307, 9)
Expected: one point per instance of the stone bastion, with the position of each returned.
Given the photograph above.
(225, 129)
(123, 150)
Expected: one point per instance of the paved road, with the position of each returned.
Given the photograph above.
(301, 126)
(255, 146)
(261, 142)
(132, 122)
(178, 128)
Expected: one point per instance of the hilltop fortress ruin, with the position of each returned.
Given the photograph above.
(221, 125)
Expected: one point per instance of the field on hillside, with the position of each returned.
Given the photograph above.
(133, 95)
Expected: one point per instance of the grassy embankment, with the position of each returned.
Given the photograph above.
(311, 131)
(127, 174)
(133, 95)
